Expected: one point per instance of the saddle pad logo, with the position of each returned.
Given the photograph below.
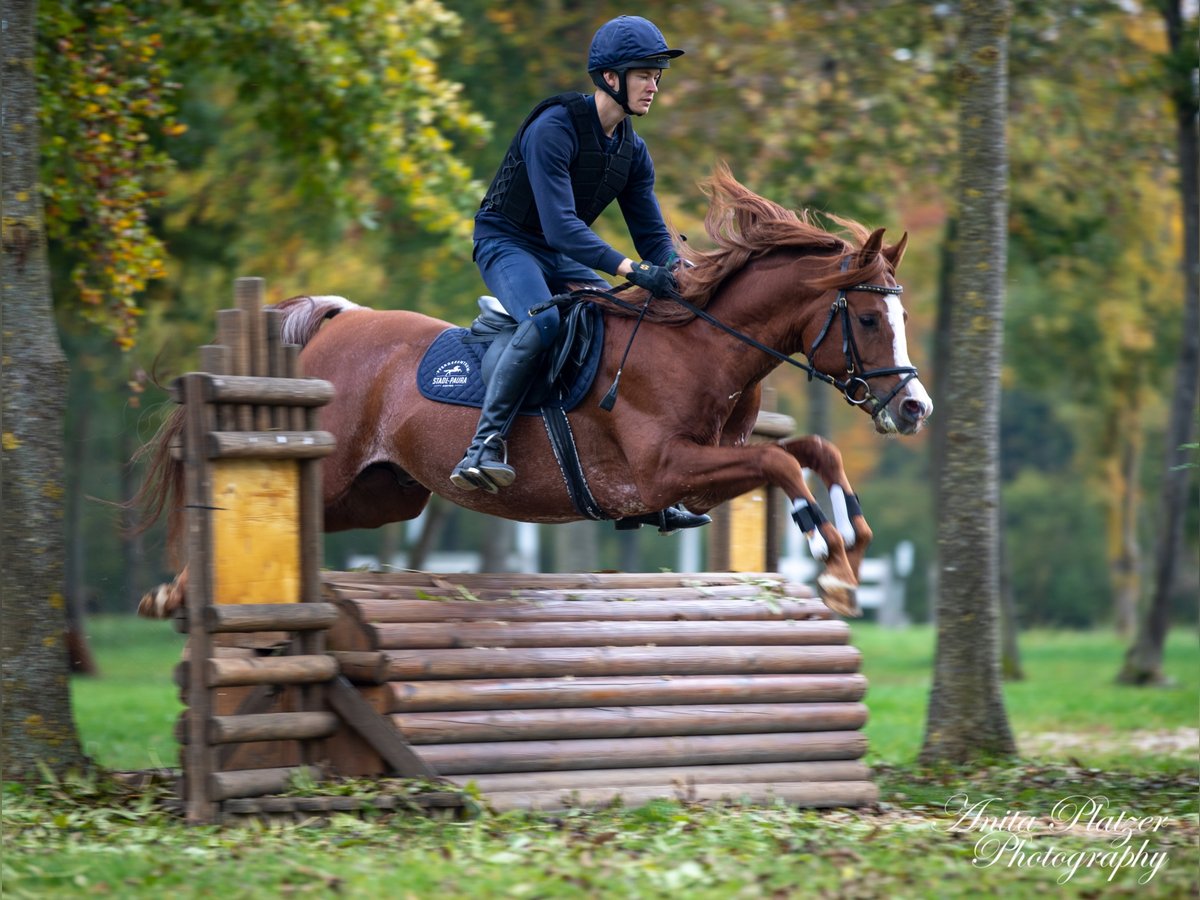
(452, 373)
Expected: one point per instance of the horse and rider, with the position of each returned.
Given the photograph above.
(717, 322)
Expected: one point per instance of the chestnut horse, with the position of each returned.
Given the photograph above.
(775, 284)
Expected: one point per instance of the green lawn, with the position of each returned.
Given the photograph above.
(88, 837)
(127, 714)
(1069, 689)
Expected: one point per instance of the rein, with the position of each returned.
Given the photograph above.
(856, 378)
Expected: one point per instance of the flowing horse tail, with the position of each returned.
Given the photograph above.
(161, 491)
(303, 316)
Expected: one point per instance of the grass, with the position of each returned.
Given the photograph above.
(90, 837)
(127, 715)
(1069, 689)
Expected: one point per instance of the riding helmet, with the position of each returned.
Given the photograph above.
(629, 42)
(624, 43)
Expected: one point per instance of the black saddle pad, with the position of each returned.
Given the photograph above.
(451, 371)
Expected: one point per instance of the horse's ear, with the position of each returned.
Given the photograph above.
(872, 244)
(895, 253)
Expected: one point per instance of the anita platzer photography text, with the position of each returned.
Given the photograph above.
(1125, 841)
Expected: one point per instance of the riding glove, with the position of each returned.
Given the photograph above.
(658, 280)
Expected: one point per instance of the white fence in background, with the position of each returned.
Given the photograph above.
(882, 579)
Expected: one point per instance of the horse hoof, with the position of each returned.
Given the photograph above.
(839, 596)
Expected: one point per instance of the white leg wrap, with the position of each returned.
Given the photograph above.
(841, 515)
(816, 541)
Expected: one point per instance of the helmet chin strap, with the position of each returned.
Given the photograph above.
(621, 95)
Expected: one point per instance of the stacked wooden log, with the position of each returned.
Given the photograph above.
(547, 690)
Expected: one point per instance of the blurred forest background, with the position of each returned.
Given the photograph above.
(342, 148)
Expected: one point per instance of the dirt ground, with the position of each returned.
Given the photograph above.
(1183, 742)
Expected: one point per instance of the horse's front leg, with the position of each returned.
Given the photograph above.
(716, 474)
(816, 453)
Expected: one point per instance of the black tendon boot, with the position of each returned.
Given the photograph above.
(668, 520)
(485, 464)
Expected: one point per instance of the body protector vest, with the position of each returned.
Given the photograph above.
(596, 177)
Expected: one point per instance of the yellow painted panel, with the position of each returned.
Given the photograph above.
(748, 532)
(256, 531)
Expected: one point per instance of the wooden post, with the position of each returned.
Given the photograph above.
(252, 453)
(746, 535)
(243, 464)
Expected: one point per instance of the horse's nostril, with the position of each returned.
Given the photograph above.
(912, 409)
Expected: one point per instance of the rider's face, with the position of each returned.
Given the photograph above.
(641, 85)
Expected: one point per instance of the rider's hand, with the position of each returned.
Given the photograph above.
(658, 280)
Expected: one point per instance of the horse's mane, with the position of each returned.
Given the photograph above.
(744, 226)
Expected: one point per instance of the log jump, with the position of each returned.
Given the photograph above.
(542, 691)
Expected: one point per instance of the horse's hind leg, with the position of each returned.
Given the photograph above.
(819, 455)
(164, 600)
(379, 494)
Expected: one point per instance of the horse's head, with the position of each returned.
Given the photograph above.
(862, 343)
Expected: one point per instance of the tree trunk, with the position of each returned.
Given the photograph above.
(576, 547)
(966, 716)
(497, 547)
(1143, 661)
(629, 551)
(389, 544)
(1125, 558)
(942, 341)
(79, 654)
(437, 513)
(36, 725)
(1010, 651)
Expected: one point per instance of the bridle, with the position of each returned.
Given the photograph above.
(858, 379)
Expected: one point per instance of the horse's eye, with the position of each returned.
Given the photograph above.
(868, 321)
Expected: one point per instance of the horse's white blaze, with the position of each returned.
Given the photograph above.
(841, 515)
(895, 315)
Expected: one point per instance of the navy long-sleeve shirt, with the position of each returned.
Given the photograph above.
(549, 146)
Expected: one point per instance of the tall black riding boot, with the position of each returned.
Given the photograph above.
(668, 520)
(485, 464)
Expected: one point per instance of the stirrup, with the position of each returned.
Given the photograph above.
(468, 478)
(474, 472)
(499, 472)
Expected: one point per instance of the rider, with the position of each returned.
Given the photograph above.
(572, 156)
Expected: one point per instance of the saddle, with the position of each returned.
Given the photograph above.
(458, 363)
